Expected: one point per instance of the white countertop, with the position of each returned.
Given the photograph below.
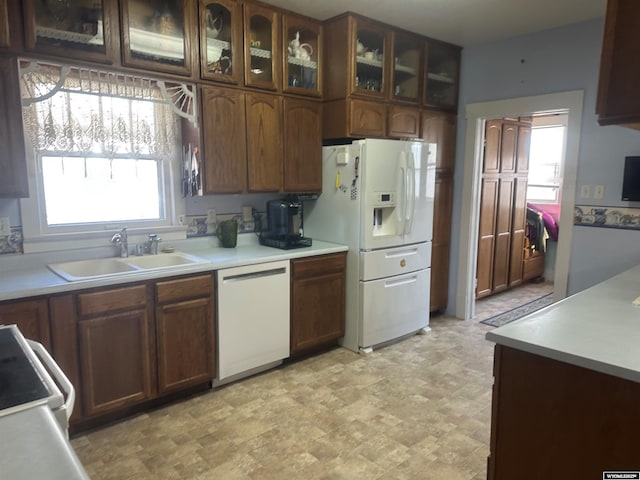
(28, 276)
(598, 328)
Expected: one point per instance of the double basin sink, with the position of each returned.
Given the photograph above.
(109, 267)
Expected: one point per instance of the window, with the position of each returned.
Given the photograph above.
(546, 158)
(104, 145)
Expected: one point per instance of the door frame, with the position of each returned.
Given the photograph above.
(476, 115)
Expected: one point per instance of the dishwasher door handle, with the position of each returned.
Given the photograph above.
(251, 275)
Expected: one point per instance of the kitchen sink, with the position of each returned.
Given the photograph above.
(110, 267)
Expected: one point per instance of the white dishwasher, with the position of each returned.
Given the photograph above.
(253, 318)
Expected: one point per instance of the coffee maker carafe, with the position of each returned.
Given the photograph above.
(285, 224)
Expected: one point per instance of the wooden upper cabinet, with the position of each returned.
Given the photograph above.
(261, 47)
(13, 180)
(220, 40)
(4, 24)
(303, 146)
(440, 128)
(618, 100)
(524, 147)
(406, 77)
(369, 44)
(367, 119)
(508, 149)
(302, 55)
(264, 142)
(492, 137)
(83, 29)
(225, 140)
(404, 122)
(441, 82)
(159, 36)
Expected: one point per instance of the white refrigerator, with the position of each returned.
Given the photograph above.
(377, 198)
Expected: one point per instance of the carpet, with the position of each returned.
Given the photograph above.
(519, 312)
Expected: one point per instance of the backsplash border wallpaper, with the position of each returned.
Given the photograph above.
(606, 217)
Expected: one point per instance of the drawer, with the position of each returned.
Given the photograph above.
(394, 261)
(112, 300)
(183, 288)
(318, 265)
(533, 267)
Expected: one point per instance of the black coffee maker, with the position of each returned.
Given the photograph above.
(285, 227)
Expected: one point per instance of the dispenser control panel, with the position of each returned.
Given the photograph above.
(385, 199)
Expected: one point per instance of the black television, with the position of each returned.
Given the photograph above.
(631, 179)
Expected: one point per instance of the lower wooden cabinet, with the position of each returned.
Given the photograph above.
(317, 301)
(116, 348)
(185, 332)
(124, 346)
(31, 317)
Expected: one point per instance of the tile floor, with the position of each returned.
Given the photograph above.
(418, 409)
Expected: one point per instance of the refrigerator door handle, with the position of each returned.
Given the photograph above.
(401, 206)
(410, 194)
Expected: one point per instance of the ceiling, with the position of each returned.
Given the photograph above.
(461, 22)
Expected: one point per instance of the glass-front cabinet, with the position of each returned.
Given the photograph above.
(370, 58)
(156, 34)
(74, 28)
(302, 56)
(261, 50)
(220, 40)
(406, 77)
(441, 85)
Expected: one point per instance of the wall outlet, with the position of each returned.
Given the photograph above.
(598, 192)
(5, 227)
(585, 191)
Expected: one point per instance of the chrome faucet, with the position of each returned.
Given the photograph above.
(152, 244)
(120, 239)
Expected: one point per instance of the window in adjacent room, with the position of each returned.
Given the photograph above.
(548, 136)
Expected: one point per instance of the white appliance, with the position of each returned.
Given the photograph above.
(253, 319)
(377, 198)
(34, 414)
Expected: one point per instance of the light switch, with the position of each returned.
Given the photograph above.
(598, 192)
(5, 227)
(585, 191)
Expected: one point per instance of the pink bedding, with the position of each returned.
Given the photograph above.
(550, 216)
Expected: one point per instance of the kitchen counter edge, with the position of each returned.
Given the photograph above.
(39, 280)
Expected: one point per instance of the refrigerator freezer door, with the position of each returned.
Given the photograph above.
(394, 261)
(393, 307)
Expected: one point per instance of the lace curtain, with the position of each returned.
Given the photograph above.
(94, 113)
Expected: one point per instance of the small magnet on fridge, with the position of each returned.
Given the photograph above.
(337, 179)
(342, 157)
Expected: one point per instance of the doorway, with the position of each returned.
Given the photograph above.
(476, 115)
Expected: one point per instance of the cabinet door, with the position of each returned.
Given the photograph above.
(618, 101)
(371, 44)
(13, 180)
(406, 78)
(185, 344)
(502, 253)
(443, 205)
(4, 24)
(225, 140)
(264, 142)
(518, 230)
(524, 147)
(116, 361)
(508, 148)
(492, 136)
(487, 236)
(440, 128)
(31, 317)
(317, 301)
(302, 48)
(221, 40)
(404, 122)
(303, 146)
(443, 66)
(261, 47)
(83, 29)
(367, 119)
(158, 35)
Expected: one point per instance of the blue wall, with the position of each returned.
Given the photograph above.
(556, 60)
